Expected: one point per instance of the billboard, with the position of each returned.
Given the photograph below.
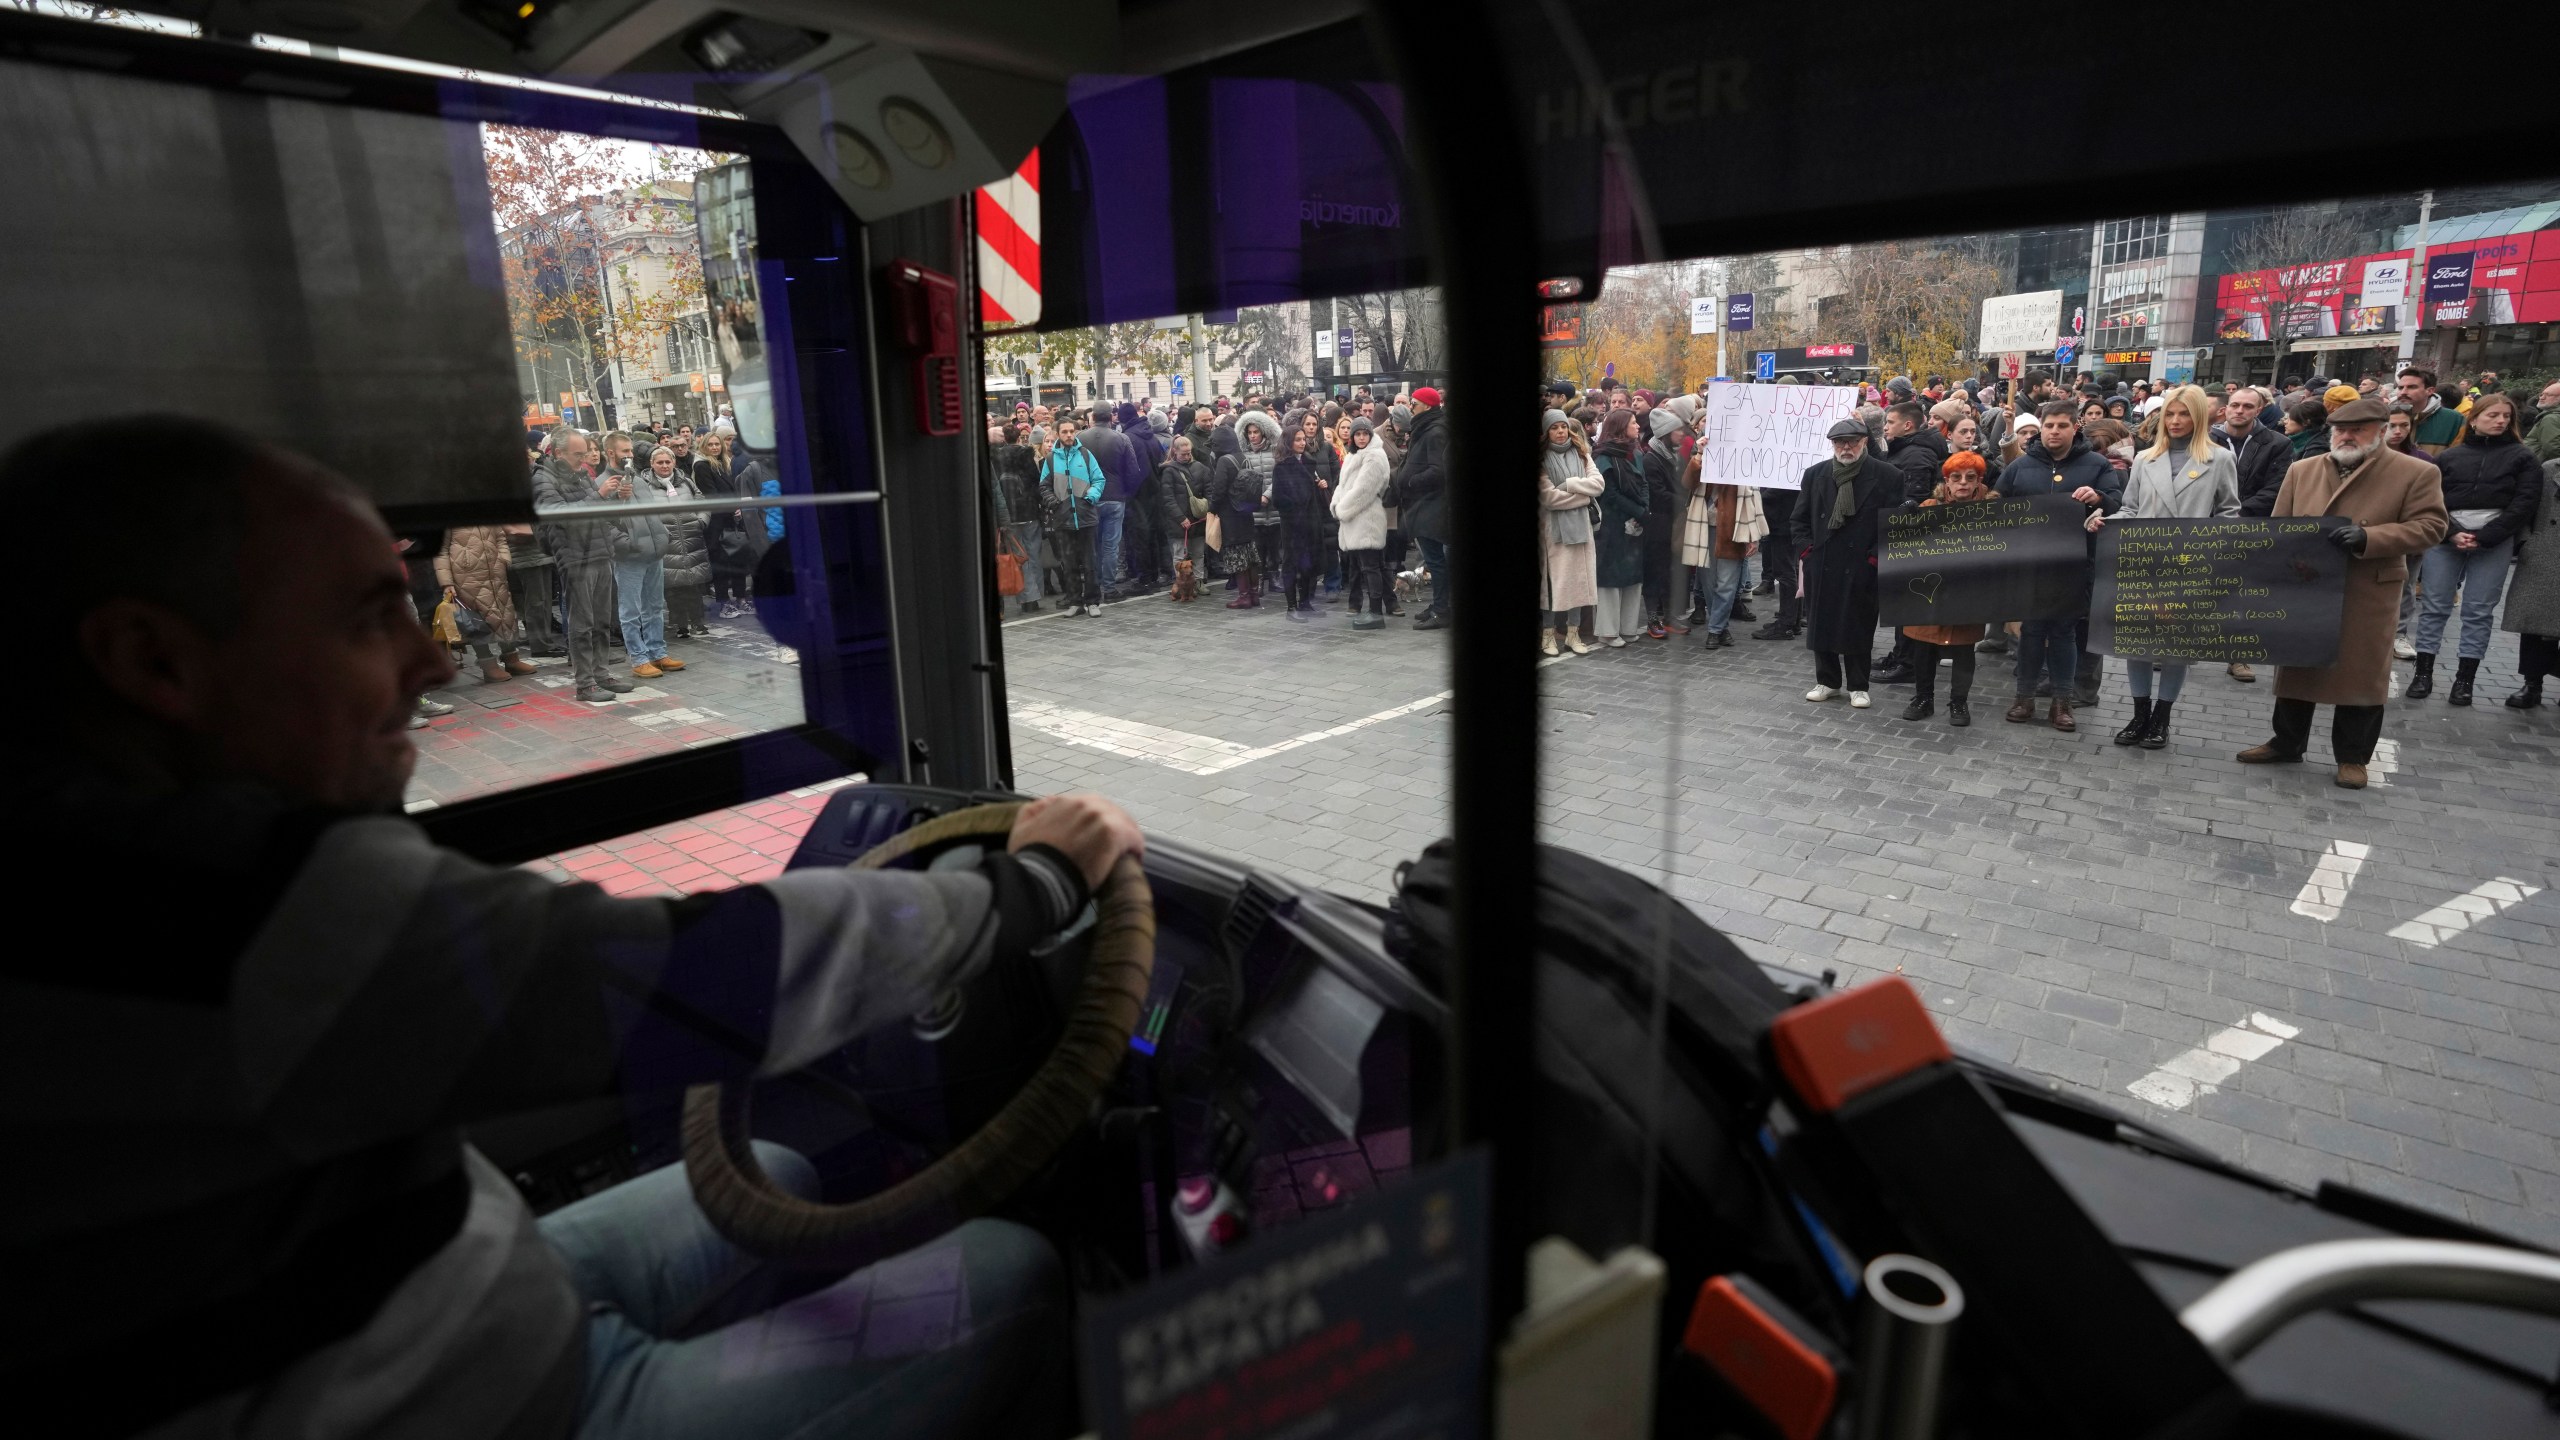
(2508, 280)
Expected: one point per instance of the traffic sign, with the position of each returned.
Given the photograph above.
(1764, 364)
(2065, 352)
(1177, 384)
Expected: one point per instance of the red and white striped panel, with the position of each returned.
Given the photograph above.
(1009, 247)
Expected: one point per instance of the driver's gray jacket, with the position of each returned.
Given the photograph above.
(258, 1216)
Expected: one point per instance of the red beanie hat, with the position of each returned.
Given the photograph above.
(1425, 395)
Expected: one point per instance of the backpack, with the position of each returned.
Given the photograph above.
(1720, 1205)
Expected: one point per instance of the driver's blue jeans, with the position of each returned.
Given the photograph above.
(688, 1336)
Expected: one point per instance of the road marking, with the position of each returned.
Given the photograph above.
(2463, 911)
(1180, 749)
(2335, 874)
(2201, 1071)
(682, 715)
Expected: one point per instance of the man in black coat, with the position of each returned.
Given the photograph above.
(1123, 474)
(1421, 486)
(1916, 451)
(2057, 460)
(1838, 522)
(2258, 445)
(2262, 450)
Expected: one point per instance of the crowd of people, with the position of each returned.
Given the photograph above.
(580, 589)
(2451, 491)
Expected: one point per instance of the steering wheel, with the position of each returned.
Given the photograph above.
(761, 1218)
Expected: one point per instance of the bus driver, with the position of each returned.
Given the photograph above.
(245, 1057)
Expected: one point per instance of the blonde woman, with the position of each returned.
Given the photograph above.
(2182, 474)
(1568, 484)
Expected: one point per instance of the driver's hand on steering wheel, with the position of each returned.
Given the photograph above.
(1090, 831)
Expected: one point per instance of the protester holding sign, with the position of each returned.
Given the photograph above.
(1960, 483)
(2394, 506)
(2056, 461)
(2183, 474)
(1839, 520)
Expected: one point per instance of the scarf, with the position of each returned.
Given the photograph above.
(1564, 462)
(1844, 499)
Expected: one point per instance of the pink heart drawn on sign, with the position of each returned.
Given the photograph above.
(1926, 586)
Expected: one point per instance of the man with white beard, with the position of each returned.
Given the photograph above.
(2394, 508)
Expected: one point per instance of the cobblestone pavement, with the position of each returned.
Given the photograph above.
(2315, 982)
(735, 682)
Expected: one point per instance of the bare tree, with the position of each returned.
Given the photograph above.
(1914, 302)
(1396, 327)
(2294, 256)
(1258, 340)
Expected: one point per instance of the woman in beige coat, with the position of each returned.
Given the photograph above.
(1568, 483)
(2394, 506)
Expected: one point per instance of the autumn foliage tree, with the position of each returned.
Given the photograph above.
(599, 254)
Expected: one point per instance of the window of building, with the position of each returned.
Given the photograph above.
(2145, 237)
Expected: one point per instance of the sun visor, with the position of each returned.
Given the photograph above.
(321, 275)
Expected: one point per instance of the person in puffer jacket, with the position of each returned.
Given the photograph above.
(2492, 486)
(1240, 496)
(688, 558)
(1362, 522)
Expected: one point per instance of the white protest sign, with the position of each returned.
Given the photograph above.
(1769, 435)
(2029, 322)
(1702, 315)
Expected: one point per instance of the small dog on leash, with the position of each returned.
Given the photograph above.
(1186, 581)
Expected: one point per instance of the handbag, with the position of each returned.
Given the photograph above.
(1009, 558)
(1216, 541)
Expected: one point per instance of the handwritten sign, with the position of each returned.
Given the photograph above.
(2021, 322)
(1767, 435)
(1365, 1322)
(2268, 592)
(1983, 562)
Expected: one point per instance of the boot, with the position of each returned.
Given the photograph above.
(1742, 611)
(2021, 710)
(516, 663)
(494, 673)
(1959, 714)
(2423, 683)
(2156, 736)
(2060, 715)
(2464, 670)
(2140, 725)
(2528, 697)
